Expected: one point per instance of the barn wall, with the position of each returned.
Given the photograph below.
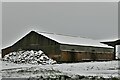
(65, 47)
(72, 53)
(6, 51)
(67, 56)
(104, 56)
(83, 56)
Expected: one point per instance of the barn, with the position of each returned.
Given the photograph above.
(116, 45)
(63, 48)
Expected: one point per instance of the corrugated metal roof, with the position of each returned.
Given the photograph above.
(73, 40)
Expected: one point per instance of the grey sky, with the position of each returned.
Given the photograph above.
(0, 26)
(119, 20)
(97, 20)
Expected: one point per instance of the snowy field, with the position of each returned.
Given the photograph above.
(35, 64)
(100, 69)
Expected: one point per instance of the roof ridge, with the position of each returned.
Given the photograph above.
(64, 35)
(46, 32)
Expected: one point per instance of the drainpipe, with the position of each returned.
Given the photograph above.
(114, 53)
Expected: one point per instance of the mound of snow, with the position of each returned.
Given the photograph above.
(32, 57)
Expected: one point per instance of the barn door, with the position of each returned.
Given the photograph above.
(72, 56)
(93, 56)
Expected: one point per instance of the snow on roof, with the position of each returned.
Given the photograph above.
(110, 40)
(73, 40)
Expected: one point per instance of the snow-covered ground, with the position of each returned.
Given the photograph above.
(26, 64)
(101, 69)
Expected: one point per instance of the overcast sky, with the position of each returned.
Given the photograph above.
(97, 20)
